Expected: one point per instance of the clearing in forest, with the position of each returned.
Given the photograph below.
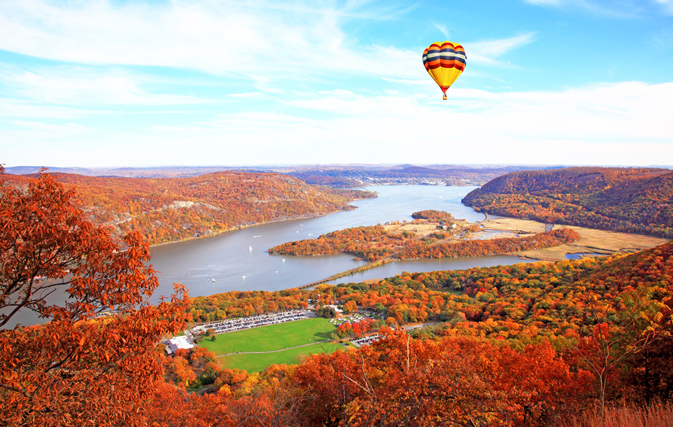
(255, 349)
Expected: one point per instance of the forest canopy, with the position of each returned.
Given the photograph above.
(171, 209)
(632, 200)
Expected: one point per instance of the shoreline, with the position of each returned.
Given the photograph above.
(243, 227)
(237, 228)
(585, 245)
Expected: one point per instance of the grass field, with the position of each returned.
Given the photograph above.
(269, 338)
(255, 362)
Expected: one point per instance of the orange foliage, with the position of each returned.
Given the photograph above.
(401, 381)
(77, 369)
(522, 344)
(619, 199)
(170, 209)
(375, 243)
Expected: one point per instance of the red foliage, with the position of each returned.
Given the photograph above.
(401, 381)
(75, 369)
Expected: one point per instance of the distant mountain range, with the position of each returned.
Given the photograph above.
(345, 176)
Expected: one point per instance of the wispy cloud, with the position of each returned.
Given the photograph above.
(15, 108)
(490, 51)
(83, 86)
(442, 29)
(236, 39)
(624, 123)
(623, 9)
(48, 128)
(666, 6)
(216, 37)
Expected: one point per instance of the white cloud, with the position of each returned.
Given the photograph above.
(442, 29)
(609, 124)
(217, 37)
(623, 9)
(81, 86)
(489, 51)
(666, 6)
(253, 40)
(13, 108)
(48, 128)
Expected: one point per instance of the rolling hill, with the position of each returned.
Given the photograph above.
(634, 200)
(171, 209)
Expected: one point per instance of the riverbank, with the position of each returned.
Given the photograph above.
(239, 261)
(591, 241)
(347, 207)
(239, 228)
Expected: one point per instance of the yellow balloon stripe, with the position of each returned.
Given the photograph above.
(444, 77)
(444, 62)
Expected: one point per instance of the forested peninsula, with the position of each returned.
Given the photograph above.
(432, 234)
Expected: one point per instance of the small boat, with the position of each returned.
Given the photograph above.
(243, 277)
(213, 279)
(250, 248)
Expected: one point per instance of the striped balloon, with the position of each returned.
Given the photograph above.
(444, 62)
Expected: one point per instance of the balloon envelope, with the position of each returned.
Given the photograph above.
(445, 62)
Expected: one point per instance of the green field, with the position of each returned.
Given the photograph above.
(269, 338)
(255, 362)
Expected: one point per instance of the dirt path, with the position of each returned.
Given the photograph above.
(272, 351)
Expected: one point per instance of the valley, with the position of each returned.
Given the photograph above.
(539, 320)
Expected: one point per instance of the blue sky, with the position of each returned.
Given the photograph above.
(107, 83)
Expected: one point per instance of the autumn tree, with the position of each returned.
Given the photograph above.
(400, 381)
(350, 307)
(78, 368)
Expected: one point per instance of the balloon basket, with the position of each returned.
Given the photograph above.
(444, 97)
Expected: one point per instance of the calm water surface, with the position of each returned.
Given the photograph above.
(239, 260)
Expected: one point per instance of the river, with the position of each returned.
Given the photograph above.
(239, 260)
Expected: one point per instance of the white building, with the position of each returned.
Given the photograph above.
(337, 309)
(176, 343)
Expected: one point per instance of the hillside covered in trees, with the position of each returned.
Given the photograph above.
(520, 345)
(618, 199)
(171, 209)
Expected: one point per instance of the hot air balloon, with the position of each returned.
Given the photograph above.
(444, 62)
